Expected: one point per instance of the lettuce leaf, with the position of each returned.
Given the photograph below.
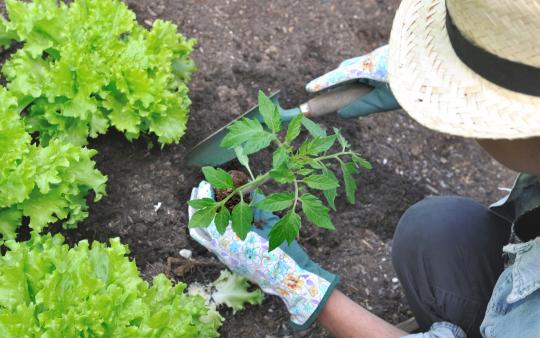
(45, 183)
(87, 66)
(48, 289)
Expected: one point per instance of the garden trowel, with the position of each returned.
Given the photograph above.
(209, 152)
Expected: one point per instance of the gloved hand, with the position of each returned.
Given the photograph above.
(286, 271)
(370, 69)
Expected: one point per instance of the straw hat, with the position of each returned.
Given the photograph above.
(469, 67)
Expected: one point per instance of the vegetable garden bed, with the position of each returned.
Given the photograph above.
(244, 46)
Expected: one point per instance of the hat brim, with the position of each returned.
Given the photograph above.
(439, 91)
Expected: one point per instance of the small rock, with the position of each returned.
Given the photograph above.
(395, 280)
(185, 253)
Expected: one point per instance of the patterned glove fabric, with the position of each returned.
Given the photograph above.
(370, 69)
(286, 272)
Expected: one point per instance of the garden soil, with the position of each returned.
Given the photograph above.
(247, 45)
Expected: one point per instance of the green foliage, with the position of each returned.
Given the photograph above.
(45, 183)
(86, 66)
(298, 168)
(50, 290)
(232, 290)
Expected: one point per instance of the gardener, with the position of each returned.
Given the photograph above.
(468, 68)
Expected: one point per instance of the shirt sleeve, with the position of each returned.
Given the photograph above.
(441, 330)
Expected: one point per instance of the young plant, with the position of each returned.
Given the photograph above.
(43, 183)
(51, 290)
(87, 65)
(299, 169)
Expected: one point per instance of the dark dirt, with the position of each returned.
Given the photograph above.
(244, 46)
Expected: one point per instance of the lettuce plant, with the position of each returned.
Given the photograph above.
(229, 289)
(299, 169)
(50, 290)
(44, 183)
(88, 65)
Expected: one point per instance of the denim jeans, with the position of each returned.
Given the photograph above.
(447, 252)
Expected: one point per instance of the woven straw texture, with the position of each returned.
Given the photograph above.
(434, 86)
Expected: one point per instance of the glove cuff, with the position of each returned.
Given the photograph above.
(298, 321)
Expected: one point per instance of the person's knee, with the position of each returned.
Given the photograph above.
(439, 224)
(435, 221)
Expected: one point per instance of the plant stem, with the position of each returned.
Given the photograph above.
(295, 195)
(248, 187)
(336, 155)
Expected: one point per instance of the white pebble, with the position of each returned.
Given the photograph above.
(185, 253)
(157, 206)
(395, 280)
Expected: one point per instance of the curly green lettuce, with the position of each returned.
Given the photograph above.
(87, 66)
(44, 183)
(50, 290)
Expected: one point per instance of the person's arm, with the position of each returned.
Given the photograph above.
(346, 319)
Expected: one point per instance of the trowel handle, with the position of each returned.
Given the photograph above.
(334, 99)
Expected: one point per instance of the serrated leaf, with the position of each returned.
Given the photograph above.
(361, 162)
(202, 218)
(201, 203)
(242, 219)
(218, 178)
(330, 194)
(241, 156)
(305, 171)
(342, 141)
(282, 175)
(313, 128)
(349, 170)
(320, 144)
(279, 158)
(286, 229)
(262, 142)
(222, 220)
(276, 202)
(294, 128)
(245, 130)
(321, 182)
(316, 212)
(269, 112)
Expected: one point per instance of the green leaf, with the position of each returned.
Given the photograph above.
(282, 175)
(342, 141)
(245, 130)
(269, 112)
(294, 128)
(202, 218)
(320, 144)
(242, 157)
(218, 178)
(222, 219)
(305, 171)
(279, 158)
(330, 194)
(242, 219)
(313, 128)
(361, 162)
(350, 184)
(253, 146)
(276, 202)
(286, 229)
(316, 212)
(202, 203)
(321, 182)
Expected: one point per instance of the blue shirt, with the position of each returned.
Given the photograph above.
(514, 307)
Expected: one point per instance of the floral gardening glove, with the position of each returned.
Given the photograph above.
(370, 69)
(286, 272)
